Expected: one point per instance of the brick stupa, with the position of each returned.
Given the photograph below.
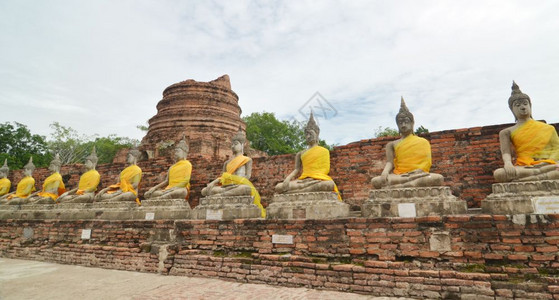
(207, 113)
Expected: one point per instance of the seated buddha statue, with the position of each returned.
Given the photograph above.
(177, 182)
(87, 185)
(535, 143)
(5, 183)
(53, 186)
(235, 179)
(313, 164)
(408, 159)
(25, 187)
(129, 180)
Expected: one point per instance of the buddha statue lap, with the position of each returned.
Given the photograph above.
(85, 192)
(177, 182)
(408, 159)
(535, 143)
(127, 187)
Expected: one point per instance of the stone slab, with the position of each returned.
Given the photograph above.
(226, 208)
(546, 205)
(286, 239)
(317, 205)
(99, 210)
(413, 202)
(521, 198)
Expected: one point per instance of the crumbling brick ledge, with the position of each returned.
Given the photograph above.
(450, 257)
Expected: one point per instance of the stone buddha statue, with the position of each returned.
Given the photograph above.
(25, 187)
(127, 187)
(5, 183)
(177, 182)
(87, 185)
(313, 164)
(53, 186)
(536, 144)
(235, 179)
(408, 159)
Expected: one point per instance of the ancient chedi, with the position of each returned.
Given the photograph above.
(207, 113)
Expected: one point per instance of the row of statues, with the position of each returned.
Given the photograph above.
(536, 144)
(313, 164)
(408, 163)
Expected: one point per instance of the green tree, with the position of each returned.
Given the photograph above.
(108, 146)
(17, 144)
(68, 143)
(144, 127)
(266, 133)
(74, 147)
(421, 130)
(387, 131)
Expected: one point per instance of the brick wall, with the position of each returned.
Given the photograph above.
(487, 257)
(465, 157)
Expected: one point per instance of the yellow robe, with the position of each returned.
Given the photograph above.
(27, 183)
(5, 186)
(53, 181)
(412, 153)
(88, 182)
(179, 175)
(125, 184)
(228, 178)
(535, 142)
(316, 164)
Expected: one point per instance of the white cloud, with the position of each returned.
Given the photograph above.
(101, 66)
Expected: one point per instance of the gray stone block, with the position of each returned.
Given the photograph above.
(428, 201)
(313, 205)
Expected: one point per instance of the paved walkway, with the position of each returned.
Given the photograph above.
(21, 279)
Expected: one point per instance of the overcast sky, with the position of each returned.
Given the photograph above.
(101, 66)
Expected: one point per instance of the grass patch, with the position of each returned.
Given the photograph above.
(473, 268)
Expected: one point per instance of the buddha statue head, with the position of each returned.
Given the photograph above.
(238, 141)
(29, 167)
(312, 130)
(181, 150)
(91, 160)
(4, 169)
(55, 164)
(404, 119)
(519, 103)
(133, 155)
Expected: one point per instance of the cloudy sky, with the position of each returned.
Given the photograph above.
(101, 66)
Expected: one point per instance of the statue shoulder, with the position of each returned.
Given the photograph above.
(393, 143)
(507, 131)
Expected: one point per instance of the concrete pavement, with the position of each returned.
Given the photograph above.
(20, 279)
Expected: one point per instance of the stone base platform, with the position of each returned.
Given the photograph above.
(524, 197)
(316, 205)
(226, 208)
(105, 210)
(413, 202)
